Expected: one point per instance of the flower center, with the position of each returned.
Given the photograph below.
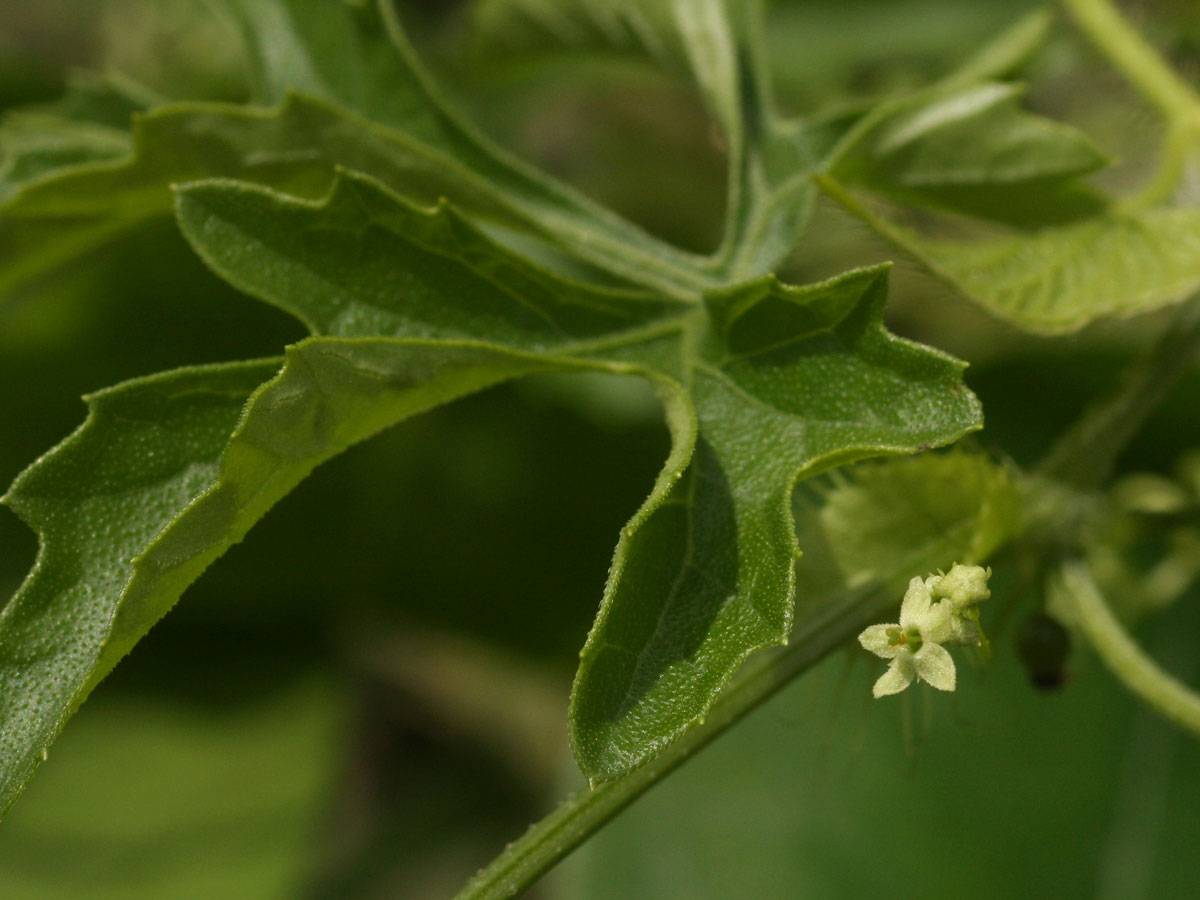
(909, 638)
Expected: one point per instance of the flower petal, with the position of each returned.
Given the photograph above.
(919, 611)
(895, 679)
(876, 640)
(935, 665)
(937, 623)
(917, 601)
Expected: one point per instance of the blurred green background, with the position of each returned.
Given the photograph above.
(368, 697)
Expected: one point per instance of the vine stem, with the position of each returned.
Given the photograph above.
(1141, 674)
(1141, 63)
(580, 815)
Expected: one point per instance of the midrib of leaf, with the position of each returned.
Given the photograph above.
(668, 604)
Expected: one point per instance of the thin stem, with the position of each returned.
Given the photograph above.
(582, 814)
(1140, 63)
(1141, 674)
(1086, 453)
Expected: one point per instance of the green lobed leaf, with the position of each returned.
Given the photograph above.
(786, 383)
(414, 308)
(164, 477)
(170, 471)
(362, 262)
(147, 448)
(295, 254)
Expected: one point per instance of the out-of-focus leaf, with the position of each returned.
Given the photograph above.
(1073, 253)
(90, 123)
(110, 99)
(972, 150)
(1058, 279)
(34, 145)
(1062, 277)
(825, 54)
(699, 40)
(149, 799)
(877, 524)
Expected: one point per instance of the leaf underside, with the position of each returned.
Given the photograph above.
(1069, 254)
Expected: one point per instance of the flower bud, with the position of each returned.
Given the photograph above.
(963, 586)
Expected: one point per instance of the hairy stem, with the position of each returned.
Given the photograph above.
(1141, 674)
(1086, 453)
(581, 815)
